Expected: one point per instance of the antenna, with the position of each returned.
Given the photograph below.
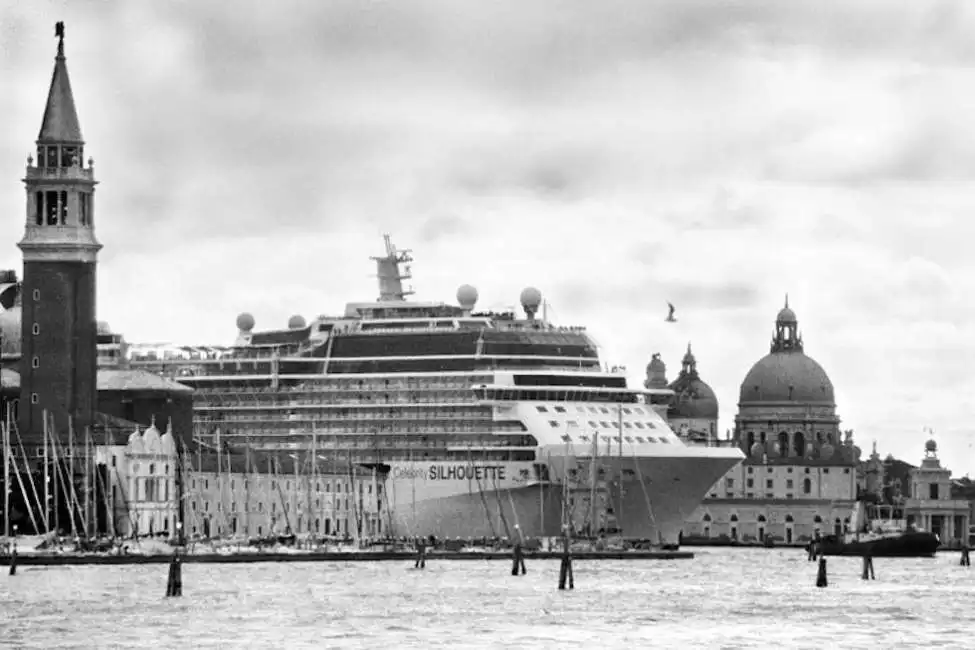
(389, 274)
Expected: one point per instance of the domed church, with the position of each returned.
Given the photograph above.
(799, 476)
(693, 413)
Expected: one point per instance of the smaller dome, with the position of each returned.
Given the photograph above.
(857, 452)
(931, 445)
(151, 439)
(104, 328)
(296, 322)
(531, 298)
(466, 296)
(826, 451)
(656, 364)
(245, 322)
(135, 441)
(757, 450)
(810, 450)
(786, 315)
(771, 449)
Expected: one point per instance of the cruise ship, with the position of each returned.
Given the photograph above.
(474, 424)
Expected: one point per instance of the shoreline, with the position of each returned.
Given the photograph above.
(36, 559)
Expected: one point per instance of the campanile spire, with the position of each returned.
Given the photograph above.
(58, 360)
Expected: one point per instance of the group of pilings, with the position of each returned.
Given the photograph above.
(518, 568)
(867, 573)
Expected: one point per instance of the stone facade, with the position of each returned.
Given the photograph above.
(799, 477)
(247, 497)
(930, 504)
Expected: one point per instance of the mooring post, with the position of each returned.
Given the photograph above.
(421, 554)
(965, 560)
(868, 568)
(13, 559)
(174, 584)
(565, 571)
(518, 561)
(821, 576)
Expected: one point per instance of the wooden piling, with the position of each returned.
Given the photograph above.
(565, 571)
(13, 561)
(821, 576)
(965, 560)
(518, 561)
(174, 584)
(421, 555)
(868, 568)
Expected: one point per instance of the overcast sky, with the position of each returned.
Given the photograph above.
(616, 155)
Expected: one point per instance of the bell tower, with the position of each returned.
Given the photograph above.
(58, 363)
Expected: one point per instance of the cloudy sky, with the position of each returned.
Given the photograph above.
(616, 155)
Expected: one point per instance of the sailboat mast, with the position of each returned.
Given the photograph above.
(619, 475)
(6, 479)
(46, 508)
(593, 471)
(71, 479)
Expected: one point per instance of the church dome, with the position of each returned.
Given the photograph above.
(693, 398)
(10, 333)
(135, 442)
(786, 374)
(786, 377)
(151, 439)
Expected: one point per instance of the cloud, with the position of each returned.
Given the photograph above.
(718, 155)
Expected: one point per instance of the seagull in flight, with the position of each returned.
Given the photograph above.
(670, 317)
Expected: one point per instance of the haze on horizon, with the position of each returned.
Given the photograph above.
(714, 154)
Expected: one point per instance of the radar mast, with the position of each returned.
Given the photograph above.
(389, 274)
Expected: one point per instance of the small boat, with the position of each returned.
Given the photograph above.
(882, 532)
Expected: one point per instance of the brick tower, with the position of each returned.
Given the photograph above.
(58, 365)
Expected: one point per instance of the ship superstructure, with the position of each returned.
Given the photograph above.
(473, 423)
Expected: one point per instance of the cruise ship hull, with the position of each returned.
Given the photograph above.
(659, 492)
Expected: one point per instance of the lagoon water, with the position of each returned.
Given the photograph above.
(724, 598)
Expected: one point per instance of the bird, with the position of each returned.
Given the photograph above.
(670, 317)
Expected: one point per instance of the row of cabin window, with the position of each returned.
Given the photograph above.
(606, 425)
(52, 208)
(592, 409)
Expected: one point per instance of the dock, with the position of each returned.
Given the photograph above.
(80, 559)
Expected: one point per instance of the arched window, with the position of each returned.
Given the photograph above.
(706, 517)
(789, 519)
(806, 486)
(783, 444)
(761, 519)
(817, 519)
(734, 517)
(799, 443)
(751, 441)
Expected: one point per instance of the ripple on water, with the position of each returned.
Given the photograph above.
(725, 598)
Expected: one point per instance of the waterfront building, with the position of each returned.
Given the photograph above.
(930, 504)
(232, 495)
(799, 478)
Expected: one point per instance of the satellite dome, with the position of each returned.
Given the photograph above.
(757, 450)
(245, 322)
(466, 296)
(826, 451)
(296, 322)
(104, 328)
(531, 297)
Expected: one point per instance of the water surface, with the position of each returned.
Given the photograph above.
(724, 598)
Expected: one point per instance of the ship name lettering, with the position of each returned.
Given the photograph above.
(467, 473)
